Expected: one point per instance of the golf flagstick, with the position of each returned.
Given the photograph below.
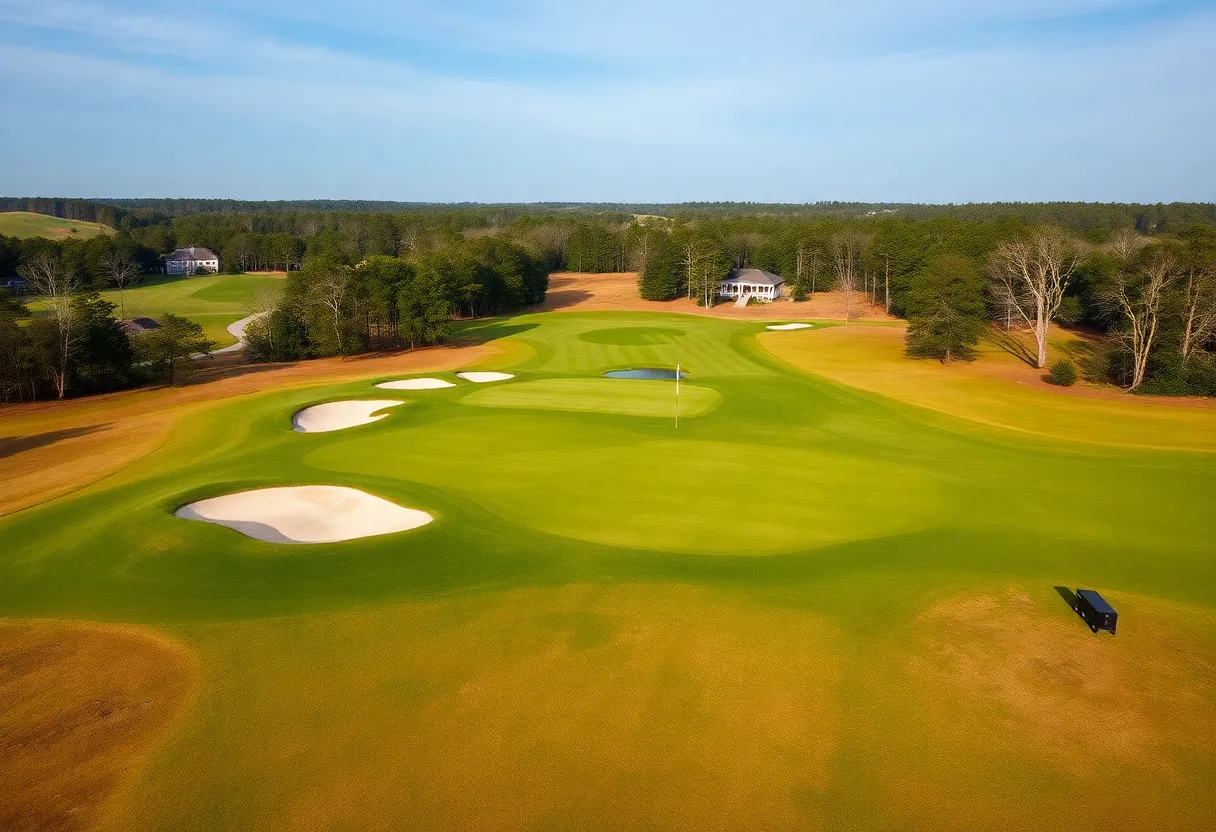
(677, 395)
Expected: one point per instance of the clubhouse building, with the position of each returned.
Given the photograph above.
(192, 260)
(745, 284)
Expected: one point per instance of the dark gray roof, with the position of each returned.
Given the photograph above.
(757, 276)
(139, 324)
(193, 253)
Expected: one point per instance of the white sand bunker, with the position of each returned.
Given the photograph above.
(416, 384)
(483, 378)
(305, 514)
(341, 415)
(788, 326)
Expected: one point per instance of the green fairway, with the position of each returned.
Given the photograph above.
(808, 606)
(24, 225)
(214, 301)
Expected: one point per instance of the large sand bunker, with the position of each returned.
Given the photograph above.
(484, 378)
(322, 418)
(305, 514)
(416, 384)
(783, 327)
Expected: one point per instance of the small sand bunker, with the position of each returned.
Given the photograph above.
(484, 378)
(305, 514)
(784, 327)
(341, 415)
(416, 384)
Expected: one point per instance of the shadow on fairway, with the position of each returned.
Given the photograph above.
(1068, 595)
(1011, 345)
(16, 444)
(1070, 598)
(480, 333)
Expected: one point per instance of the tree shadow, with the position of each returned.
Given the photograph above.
(1007, 343)
(14, 445)
(561, 299)
(480, 332)
(1090, 358)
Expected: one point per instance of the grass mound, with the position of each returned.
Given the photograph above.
(624, 397)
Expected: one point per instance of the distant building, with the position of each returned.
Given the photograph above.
(191, 260)
(751, 283)
(137, 325)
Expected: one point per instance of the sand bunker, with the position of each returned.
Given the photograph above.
(305, 514)
(416, 384)
(483, 378)
(784, 327)
(340, 415)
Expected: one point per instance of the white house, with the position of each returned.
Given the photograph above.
(190, 260)
(751, 283)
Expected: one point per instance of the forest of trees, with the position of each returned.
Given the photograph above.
(365, 278)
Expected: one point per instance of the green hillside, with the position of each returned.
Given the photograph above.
(24, 225)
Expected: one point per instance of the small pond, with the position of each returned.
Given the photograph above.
(646, 372)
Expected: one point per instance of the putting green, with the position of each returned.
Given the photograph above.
(628, 397)
(809, 606)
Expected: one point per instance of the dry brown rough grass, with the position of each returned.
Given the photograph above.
(1007, 681)
(81, 707)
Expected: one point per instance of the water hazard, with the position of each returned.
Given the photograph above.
(646, 372)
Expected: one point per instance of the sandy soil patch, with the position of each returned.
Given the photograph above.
(1022, 684)
(331, 416)
(305, 514)
(416, 384)
(786, 327)
(83, 705)
(485, 378)
(53, 448)
(570, 291)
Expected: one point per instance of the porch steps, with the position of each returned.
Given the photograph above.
(743, 299)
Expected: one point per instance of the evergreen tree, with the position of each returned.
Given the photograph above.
(946, 312)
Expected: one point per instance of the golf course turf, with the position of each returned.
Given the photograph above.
(810, 606)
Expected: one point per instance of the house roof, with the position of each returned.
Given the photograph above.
(193, 253)
(139, 324)
(757, 276)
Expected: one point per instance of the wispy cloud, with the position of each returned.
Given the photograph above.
(628, 100)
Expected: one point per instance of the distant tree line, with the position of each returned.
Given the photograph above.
(951, 270)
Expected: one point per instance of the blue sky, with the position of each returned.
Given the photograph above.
(628, 100)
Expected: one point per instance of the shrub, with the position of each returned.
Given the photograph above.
(1063, 373)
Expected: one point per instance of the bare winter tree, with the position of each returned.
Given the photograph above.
(848, 248)
(640, 255)
(329, 291)
(121, 268)
(691, 255)
(1126, 244)
(55, 282)
(707, 277)
(847, 286)
(806, 264)
(1199, 309)
(1137, 295)
(1029, 277)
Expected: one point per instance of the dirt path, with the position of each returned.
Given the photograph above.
(572, 292)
